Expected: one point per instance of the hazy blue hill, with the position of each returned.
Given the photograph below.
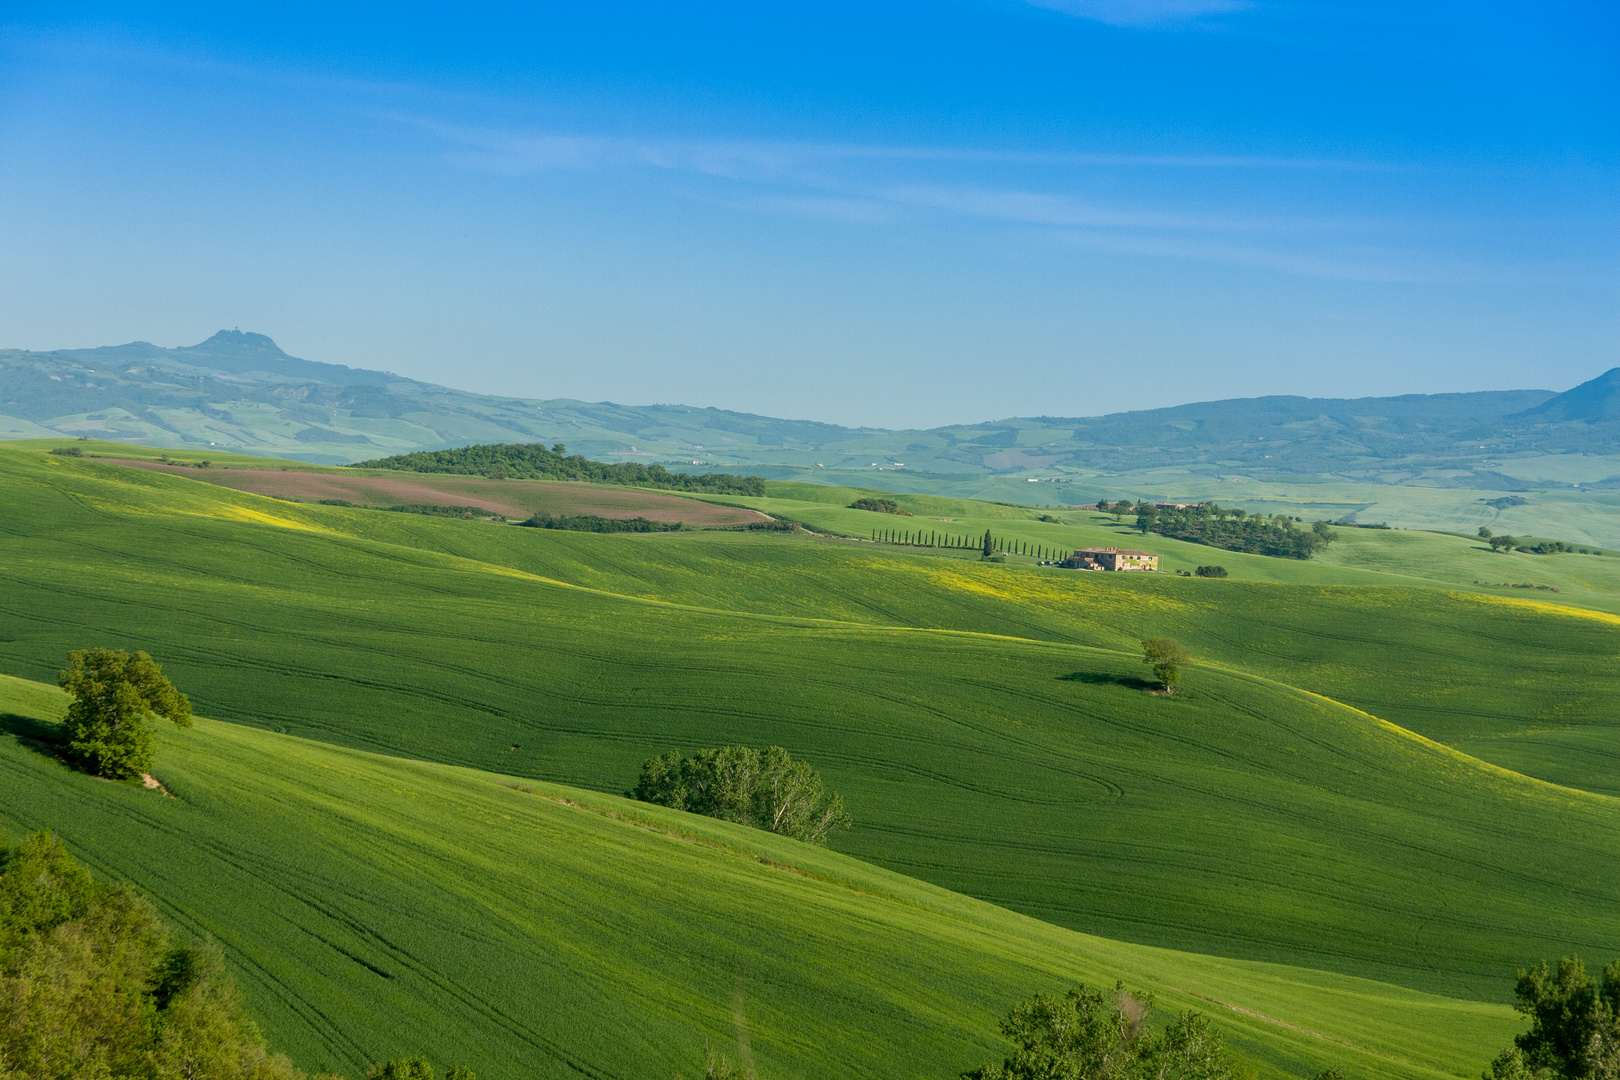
(1595, 401)
(235, 353)
(239, 391)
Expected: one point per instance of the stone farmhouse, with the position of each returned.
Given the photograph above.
(1113, 559)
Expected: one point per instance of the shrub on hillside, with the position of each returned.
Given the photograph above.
(593, 523)
(1574, 1025)
(879, 506)
(468, 513)
(67, 451)
(1091, 1035)
(763, 789)
(723, 1068)
(91, 984)
(1211, 571)
(114, 695)
(415, 1068)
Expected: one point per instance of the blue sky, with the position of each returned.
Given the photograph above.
(886, 213)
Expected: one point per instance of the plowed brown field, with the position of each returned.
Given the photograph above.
(514, 498)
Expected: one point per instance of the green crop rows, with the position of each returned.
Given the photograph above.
(376, 906)
(986, 724)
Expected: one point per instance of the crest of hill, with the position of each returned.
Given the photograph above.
(1596, 401)
(239, 391)
(237, 353)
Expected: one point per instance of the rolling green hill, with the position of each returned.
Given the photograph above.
(373, 906)
(984, 722)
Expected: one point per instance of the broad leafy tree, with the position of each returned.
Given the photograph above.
(91, 984)
(1574, 1025)
(1091, 1035)
(115, 694)
(1166, 656)
(763, 789)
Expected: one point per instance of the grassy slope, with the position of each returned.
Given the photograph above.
(1358, 557)
(376, 905)
(1265, 823)
(1435, 665)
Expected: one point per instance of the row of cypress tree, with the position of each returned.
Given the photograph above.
(989, 544)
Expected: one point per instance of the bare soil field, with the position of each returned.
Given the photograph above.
(513, 498)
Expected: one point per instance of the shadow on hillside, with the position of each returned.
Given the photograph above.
(36, 735)
(1100, 678)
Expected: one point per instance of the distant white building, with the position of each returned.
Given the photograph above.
(1108, 558)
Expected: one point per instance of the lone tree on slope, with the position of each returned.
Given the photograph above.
(1165, 656)
(114, 694)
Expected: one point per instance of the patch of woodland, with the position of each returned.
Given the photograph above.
(532, 461)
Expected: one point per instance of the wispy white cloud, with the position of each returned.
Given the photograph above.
(1046, 208)
(874, 185)
(1143, 12)
(518, 152)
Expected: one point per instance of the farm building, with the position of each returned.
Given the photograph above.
(1113, 559)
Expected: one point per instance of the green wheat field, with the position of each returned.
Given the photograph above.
(1389, 779)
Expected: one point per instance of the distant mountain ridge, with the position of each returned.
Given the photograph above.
(239, 391)
(1596, 401)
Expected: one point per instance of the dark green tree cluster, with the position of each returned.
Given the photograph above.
(532, 461)
(1543, 547)
(1235, 530)
(92, 985)
(416, 1068)
(1574, 1025)
(115, 695)
(593, 523)
(1091, 1035)
(764, 789)
(879, 506)
(1211, 571)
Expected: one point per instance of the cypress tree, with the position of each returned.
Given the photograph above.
(989, 545)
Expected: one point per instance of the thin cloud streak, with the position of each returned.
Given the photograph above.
(1143, 13)
(535, 151)
(825, 182)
